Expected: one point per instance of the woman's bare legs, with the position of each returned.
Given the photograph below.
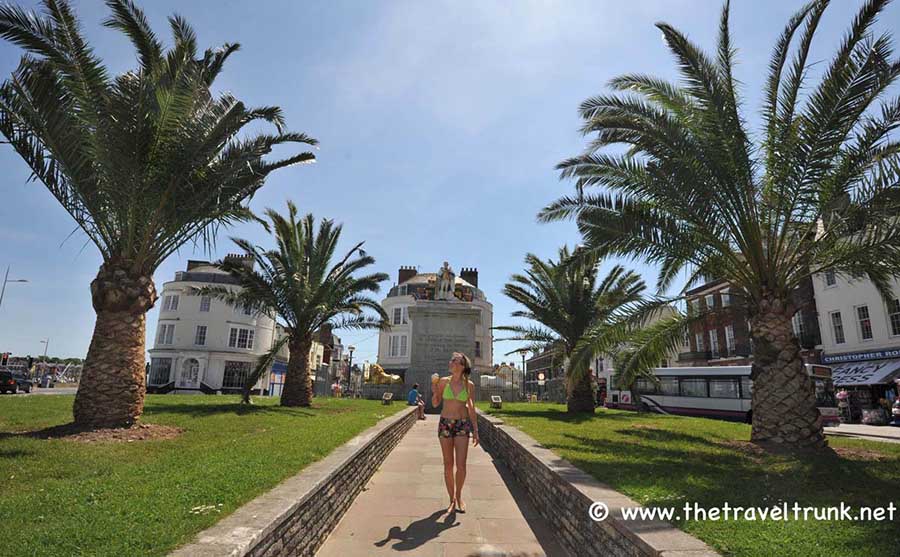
(447, 451)
(461, 448)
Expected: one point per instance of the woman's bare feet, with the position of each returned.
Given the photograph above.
(452, 506)
(460, 506)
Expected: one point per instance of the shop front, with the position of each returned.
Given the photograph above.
(866, 386)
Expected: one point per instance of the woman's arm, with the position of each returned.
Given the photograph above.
(437, 393)
(473, 416)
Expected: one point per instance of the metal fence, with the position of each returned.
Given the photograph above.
(552, 390)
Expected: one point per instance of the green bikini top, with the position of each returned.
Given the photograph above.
(462, 396)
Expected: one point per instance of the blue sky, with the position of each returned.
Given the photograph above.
(440, 124)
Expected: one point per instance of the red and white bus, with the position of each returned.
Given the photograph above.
(722, 392)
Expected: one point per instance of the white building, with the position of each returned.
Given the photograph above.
(205, 345)
(860, 335)
(394, 346)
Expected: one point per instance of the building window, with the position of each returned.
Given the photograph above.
(693, 386)
(729, 339)
(726, 298)
(695, 304)
(401, 291)
(236, 374)
(477, 349)
(398, 345)
(865, 324)
(170, 303)
(714, 343)
(200, 335)
(398, 316)
(166, 334)
(687, 341)
(710, 301)
(204, 303)
(797, 325)
(246, 310)
(838, 327)
(723, 388)
(830, 278)
(241, 338)
(698, 338)
(160, 369)
(894, 316)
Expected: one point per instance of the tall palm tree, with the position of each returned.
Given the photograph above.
(300, 285)
(693, 190)
(144, 162)
(574, 312)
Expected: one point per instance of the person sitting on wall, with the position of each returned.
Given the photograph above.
(415, 399)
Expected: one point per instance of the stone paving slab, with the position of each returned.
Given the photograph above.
(883, 433)
(402, 510)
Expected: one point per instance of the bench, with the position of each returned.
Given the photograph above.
(496, 401)
(387, 398)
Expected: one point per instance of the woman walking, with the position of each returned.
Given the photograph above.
(456, 424)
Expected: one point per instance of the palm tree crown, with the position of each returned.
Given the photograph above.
(575, 309)
(693, 191)
(300, 284)
(144, 162)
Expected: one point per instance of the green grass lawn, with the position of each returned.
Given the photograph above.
(62, 497)
(669, 460)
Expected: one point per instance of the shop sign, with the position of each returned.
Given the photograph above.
(861, 356)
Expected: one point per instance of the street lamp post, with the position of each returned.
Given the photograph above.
(350, 348)
(524, 375)
(46, 344)
(5, 280)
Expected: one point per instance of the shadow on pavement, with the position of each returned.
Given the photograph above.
(419, 532)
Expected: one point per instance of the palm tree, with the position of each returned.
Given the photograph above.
(576, 315)
(693, 191)
(144, 162)
(299, 284)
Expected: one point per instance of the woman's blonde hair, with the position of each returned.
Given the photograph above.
(466, 363)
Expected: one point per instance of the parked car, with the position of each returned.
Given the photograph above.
(11, 381)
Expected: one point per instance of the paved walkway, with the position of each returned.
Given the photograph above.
(885, 433)
(402, 509)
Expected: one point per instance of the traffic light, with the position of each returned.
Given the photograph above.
(4, 358)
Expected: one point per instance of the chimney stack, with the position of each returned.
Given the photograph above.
(245, 260)
(470, 275)
(405, 274)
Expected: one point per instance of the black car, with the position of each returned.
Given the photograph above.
(12, 381)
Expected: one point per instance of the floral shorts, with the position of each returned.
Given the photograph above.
(450, 427)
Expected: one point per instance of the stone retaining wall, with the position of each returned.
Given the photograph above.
(297, 516)
(563, 494)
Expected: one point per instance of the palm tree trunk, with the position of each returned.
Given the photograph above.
(112, 387)
(784, 401)
(636, 399)
(297, 384)
(581, 396)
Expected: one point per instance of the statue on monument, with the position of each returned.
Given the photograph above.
(445, 283)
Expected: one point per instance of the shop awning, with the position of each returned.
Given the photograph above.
(878, 372)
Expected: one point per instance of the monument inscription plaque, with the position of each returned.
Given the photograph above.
(441, 328)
